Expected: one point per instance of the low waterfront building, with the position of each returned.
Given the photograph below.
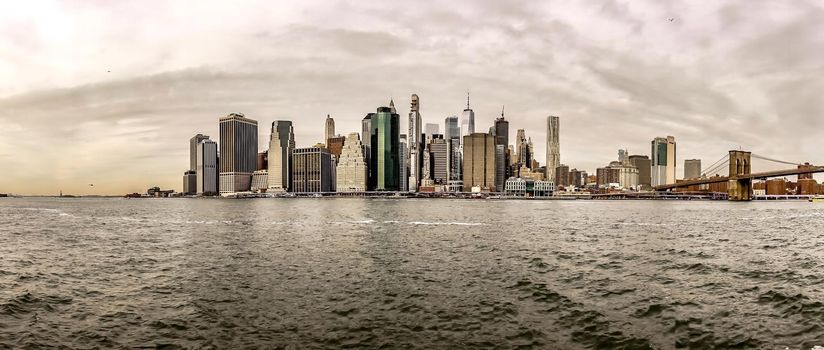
(521, 187)
(260, 181)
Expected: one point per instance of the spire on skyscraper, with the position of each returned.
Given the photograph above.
(392, 105)
(467, 100)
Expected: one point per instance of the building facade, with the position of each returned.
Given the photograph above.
(260, 180)
(206, 168)
(479, 162)
(189, 182)
(520, 187)
(553, 146)
(329, 128)
(415, 144)
(312, 170)
(440, 159)
(385, 154)
(351, 169)
(403, 164)
(238, 152)
(335, 145)
(193, 143)
(663, 161)
(692, 169)
(562, 176)
(644, 166)
(281, 145)
(467, 121)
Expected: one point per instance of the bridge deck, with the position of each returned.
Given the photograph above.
(762, 175)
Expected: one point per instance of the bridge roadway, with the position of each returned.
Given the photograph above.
(762, 175)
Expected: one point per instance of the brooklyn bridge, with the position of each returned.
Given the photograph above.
(740, 179)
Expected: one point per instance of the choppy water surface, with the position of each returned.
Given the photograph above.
(369, 273)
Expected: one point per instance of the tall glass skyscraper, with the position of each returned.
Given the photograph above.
(238, 152)
(385, 144)
(467, 120)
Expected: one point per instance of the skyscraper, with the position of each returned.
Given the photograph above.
(452, 135)
(403, 157)
(500, 167)
(238, 152)
(366, 139)
(553, 146)
(467, 120)
(385, 139)
(451, 128)
(520, 140)
(663, 161)
(206, 165)
(312, 170)
(351, 170)
(281, 145)
(479, 162)
(692, 169)
(193, 142)
(502, 139)
(329, 130)
(644, 166)
(440, 158)
(415, 144)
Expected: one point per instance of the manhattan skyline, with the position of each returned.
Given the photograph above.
(90, 98)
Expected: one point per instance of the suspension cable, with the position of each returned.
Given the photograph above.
(714, 165)
(774, 160)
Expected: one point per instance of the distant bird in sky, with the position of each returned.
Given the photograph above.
(671, 19)
(91, 185)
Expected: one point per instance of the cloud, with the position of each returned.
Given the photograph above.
(110, 93)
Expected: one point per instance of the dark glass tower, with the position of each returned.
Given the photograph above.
(385, 146)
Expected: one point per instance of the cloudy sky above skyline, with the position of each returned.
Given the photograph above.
(109, 93)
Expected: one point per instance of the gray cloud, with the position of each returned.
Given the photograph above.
(618, 73)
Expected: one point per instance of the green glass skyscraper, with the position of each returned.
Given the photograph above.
(384, 148)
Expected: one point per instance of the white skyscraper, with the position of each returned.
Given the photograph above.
(553, 146)
(467, 120)
(351, 170)
(415, 144)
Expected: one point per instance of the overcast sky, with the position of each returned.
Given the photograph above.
(109, 92)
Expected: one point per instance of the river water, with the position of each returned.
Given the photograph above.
(428, 274)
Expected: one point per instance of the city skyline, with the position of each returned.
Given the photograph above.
(121, 119)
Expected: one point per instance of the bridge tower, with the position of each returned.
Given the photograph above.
(740, 188)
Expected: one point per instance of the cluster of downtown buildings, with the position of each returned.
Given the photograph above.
(382, 159)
